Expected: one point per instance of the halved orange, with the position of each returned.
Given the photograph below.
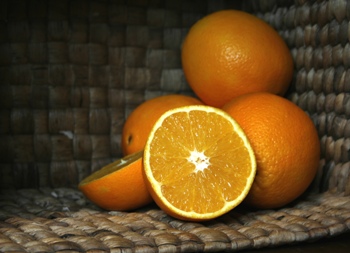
(119, 185)
(198, 163)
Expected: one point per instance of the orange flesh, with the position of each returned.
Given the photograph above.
(112, 167)
(216, 178)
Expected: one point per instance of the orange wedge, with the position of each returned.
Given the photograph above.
(198, 163)
(119, 185)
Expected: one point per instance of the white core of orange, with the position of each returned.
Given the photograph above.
(200, 160)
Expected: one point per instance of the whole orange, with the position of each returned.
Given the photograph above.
(139, 123)
(229, 53)
(286, 145)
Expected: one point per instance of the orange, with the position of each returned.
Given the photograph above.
(286, 146)
(140, 122)
(119, 185)
(230, 53)
(198, 163)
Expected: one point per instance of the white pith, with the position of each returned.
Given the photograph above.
(199, 159)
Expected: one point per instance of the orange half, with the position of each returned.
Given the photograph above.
(119, 185)
(198, 163)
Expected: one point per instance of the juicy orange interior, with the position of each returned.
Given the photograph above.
(210, 159)
(112, 167)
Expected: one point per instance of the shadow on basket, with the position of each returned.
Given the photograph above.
(72, 71)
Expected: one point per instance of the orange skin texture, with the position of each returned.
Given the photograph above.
(140, 122)
(122, 190)
(286, 145)
(230, 53)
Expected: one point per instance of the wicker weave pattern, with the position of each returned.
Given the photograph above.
(72, 70)
(63, 225)
(317, 34)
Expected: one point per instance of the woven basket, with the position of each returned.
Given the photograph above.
(72, 70)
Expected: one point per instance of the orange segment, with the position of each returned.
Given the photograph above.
(198, 163)
(119, 185)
